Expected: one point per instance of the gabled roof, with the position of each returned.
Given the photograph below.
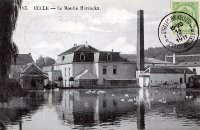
(23, 59)
(169, 70)
(32, 68)
(80, 48)
(86, 75)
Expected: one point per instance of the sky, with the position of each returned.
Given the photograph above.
(114, 26)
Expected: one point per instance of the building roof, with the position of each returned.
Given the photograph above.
(133, 58)
(115, 57)
(86, 75)
(169, 70)
(129, 57)
(23, 59)
(32, 68)
(184, 58)
(82, 48)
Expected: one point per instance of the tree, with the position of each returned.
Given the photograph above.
(49, 61)
(8, 49)
(40, 62)
(60, 79)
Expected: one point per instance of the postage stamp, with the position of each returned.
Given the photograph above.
(190, 7)
(178, 31)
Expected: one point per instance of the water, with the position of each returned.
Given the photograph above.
(112, 109)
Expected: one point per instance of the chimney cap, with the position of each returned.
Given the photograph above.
(86, 44)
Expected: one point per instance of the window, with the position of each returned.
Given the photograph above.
(82, 57)
(109, 57)
(65, 83)
(104, 70)
(69, 72)
(181, 80)
(63, 57)
(194, 70)
(65, 71)
(114, 69)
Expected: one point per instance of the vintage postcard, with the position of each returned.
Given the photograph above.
(99, 65)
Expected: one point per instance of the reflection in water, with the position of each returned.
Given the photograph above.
(115, 109)
(141, 111)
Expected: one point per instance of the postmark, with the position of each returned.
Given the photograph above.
(178, 31)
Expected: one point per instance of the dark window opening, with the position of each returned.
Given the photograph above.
(109, 57)
(104, 70)
(194, 70)
(181, 80)
(114, 71)
(82, 57)
(63, 57)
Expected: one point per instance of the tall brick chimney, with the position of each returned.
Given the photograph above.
(140, 40)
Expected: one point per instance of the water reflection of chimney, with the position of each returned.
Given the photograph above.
(141, 111)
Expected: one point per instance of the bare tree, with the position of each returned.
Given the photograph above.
(8, 49)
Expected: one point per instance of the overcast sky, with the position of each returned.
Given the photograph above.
(49, 33)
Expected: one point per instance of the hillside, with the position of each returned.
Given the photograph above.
(160, 52)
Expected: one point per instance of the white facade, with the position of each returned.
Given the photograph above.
(66, 72)
(124, 71)
(54, 75)
(157, 79)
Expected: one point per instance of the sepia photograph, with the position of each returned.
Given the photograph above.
(99, 65)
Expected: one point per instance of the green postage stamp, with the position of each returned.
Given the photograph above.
(190, 7)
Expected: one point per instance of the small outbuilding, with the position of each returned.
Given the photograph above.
(166, 75)
(32, 77)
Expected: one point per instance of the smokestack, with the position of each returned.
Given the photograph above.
(140, 40)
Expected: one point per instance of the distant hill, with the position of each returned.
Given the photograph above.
(160, 52)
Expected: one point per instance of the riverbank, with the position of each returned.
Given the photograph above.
(12, 88)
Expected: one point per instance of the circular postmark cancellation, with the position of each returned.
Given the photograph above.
(178, 32)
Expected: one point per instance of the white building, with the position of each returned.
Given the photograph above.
(86, 66)
(52, 74)
(193, 66)
(190, 61)
(160, 75)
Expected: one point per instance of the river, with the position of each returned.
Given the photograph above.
(109, 109)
